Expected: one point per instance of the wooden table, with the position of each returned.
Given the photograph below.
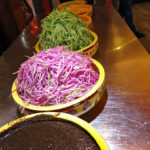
(123, 114)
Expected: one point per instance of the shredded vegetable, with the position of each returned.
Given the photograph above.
(55, 76)
(63, 28)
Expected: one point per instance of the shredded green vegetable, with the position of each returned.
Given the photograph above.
(63, 28)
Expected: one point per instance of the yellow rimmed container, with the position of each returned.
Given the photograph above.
(76, 107)
(49, 116)
(89, 50)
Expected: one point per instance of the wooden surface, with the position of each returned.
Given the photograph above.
(123, 114)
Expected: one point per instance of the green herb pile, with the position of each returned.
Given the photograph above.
(63, 28)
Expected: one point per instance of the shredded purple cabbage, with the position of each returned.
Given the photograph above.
(55, 76)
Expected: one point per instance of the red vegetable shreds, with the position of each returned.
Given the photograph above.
(55, 76)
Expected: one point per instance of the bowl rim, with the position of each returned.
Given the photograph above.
(78, 51)
(86, 16)
(65, 3)
(99, 83)
(64, 116)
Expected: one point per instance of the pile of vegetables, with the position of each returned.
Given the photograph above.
(63, 28)
(55, 76)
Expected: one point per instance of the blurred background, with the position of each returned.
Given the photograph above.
(16, 14)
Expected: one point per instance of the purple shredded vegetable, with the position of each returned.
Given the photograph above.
(55, 76)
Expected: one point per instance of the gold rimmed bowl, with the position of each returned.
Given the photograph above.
(76, 107)
(89, 50)
(48, 129)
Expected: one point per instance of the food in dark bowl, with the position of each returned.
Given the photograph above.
(46, 131)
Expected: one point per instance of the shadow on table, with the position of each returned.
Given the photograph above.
(95, 111)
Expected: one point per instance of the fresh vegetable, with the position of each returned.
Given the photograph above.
(55, 76)
(63, 28)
